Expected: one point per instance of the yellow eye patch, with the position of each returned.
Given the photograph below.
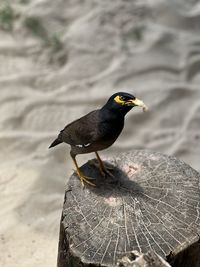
(119, 100)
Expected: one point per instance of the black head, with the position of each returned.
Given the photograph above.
(123, 102)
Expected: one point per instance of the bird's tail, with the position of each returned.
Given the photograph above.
(55, 143)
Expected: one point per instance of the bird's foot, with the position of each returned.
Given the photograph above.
(104, 169)
(85, 179)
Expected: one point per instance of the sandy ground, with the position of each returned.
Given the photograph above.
(61, 59)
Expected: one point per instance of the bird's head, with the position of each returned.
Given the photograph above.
(124, 102)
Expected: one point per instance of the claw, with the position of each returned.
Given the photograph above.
(103, 169)
(85, 179)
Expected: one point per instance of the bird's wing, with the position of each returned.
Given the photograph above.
(82, 131)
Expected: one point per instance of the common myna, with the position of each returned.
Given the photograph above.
(97, 130)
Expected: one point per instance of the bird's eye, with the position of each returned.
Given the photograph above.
(123, 98)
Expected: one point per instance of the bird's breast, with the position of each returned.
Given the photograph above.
(109, 131)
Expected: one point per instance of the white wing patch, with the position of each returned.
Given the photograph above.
(84, 145)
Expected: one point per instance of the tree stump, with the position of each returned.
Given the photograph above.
(151, 204)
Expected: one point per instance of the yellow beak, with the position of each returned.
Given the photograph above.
(139, 103)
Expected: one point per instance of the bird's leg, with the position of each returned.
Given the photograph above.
(84, 179)
(103, 169)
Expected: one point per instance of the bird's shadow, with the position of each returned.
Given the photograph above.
(119, 184)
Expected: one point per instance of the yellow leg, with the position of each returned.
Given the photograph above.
(103, 169)
(84, 179)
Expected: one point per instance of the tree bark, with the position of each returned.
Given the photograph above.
(145, 215)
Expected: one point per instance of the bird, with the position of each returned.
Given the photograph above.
(97, 130)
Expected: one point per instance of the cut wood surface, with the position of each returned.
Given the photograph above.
(152, 203)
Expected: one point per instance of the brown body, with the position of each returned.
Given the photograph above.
(90, 133)
(97, 130)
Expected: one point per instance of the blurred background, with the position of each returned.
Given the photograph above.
(61, 59)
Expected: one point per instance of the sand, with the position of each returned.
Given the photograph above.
(61, 59)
